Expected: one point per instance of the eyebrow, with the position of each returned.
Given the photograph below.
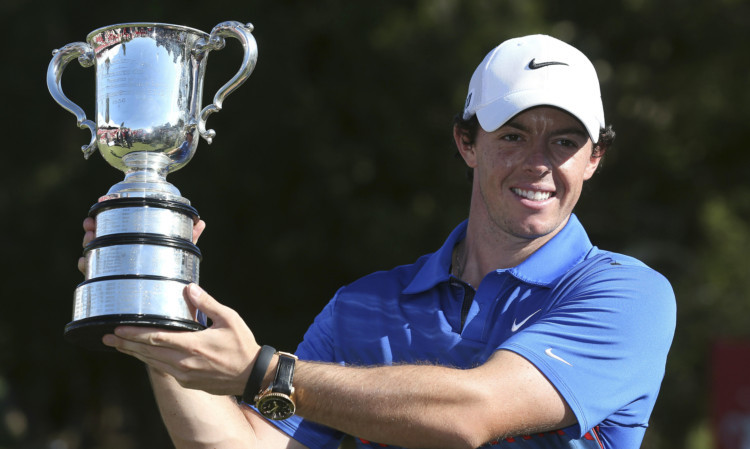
(570, 130)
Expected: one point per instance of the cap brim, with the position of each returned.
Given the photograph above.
(495, 114)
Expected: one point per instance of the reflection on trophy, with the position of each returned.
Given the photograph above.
(149, 83)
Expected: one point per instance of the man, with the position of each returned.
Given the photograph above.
(517, 332)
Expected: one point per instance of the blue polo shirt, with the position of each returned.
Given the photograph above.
(596, 323)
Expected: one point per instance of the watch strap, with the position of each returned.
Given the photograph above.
(284, 374)
(255, 381)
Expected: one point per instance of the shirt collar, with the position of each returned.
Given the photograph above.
(543, 267)
(437, 267)
(563, 251)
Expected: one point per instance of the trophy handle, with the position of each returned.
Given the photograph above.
(242, 33)
(60, 59)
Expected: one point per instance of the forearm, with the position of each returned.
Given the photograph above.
(410, 406)
(433, 406)
(196, 419)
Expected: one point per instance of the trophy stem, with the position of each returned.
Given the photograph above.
(146, 177)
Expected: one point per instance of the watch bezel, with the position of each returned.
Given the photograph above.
(288, 407)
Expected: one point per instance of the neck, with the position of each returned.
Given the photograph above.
(487, 248)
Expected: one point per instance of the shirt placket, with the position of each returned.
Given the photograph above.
(482, 304)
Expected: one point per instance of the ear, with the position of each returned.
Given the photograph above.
(465, 148)
(592, 165)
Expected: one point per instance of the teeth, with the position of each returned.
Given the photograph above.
(533, 195)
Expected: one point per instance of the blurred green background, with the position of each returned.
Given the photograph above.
(336, 159)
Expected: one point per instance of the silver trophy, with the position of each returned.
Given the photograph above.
(149, 89)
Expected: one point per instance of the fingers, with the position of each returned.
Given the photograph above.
(217, 359)
(198, 299)
(157, 347)
(148, 339)
(151, 347)
(198, 230)
(212, 360)
(89, 226)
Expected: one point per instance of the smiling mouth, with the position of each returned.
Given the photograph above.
(533, 195)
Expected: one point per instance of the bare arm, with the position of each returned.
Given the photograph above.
(433, 406)
(196, 419)
(408, 405)
(189, 416)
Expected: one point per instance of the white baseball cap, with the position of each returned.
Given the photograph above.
(533, 71)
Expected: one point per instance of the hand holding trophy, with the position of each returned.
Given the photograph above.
(149, 84)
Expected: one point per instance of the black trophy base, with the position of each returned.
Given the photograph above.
(88, 332)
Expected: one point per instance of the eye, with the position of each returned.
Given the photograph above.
(511, 137)
(567, 143)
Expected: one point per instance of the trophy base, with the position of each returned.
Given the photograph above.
(88, 332)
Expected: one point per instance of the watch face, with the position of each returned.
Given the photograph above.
(276, 406)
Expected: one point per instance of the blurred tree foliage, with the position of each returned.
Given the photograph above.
(336, 159)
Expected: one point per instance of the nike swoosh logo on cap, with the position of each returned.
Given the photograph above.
(548, 351)
(533, 65)
(515, 326)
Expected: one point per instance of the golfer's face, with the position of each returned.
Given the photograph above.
(530, 171)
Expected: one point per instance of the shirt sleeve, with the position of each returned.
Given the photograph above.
(603, 343)
(317, 345)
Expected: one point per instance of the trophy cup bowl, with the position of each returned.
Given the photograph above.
(149, 88)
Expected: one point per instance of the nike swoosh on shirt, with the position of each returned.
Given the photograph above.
(515, 326)
(548, 351)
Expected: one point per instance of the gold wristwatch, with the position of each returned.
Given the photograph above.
(277, 401)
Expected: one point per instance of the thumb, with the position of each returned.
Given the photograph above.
(200, 301)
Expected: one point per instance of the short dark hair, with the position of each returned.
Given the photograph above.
(468, 128)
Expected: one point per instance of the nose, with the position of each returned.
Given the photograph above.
(537, 161)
